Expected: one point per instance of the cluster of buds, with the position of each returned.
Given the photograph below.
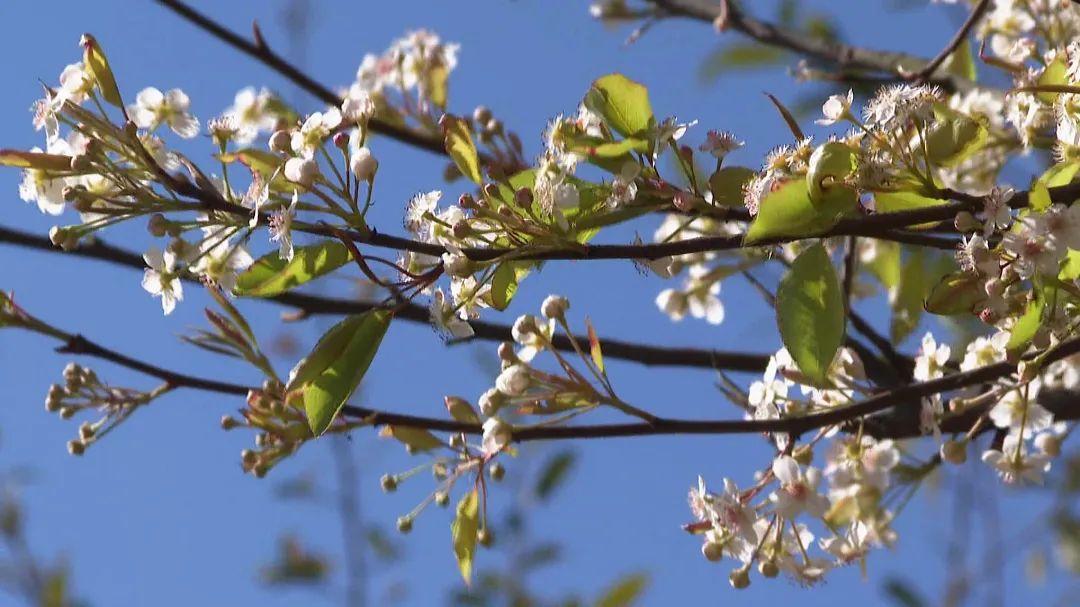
(281, 428)
(83, 391)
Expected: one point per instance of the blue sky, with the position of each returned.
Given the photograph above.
(160, 514)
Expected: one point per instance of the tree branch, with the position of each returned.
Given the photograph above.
(728, 15)
(909, 395)
(958, 38)
(313, 304)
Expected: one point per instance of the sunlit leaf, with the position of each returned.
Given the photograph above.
(956, 293)
(463, 532)
(459, 145)
(554, 472)
(504, 282)
(810, 313)
(624, 592)
(621, 103)
(416, 438)
(271, 275)
(727, 184)
(35, 160)
(788, 211)
(97, 65)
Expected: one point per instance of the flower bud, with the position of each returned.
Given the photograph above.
(457, 265)
(481, 115)
(341, 140)
(228, 422)
(506, 353)
(67, 412)
(442, 499)
(768, 569)
(684, 201)
(157, 225)
(281, 142)
(497, 471)
(485, 537)
(523, 197)
(461, 229)
(389, 483)
(494, 126)
(301, 170)
(740, 578)
(554, 307)
(248, 458)
(76, 447)
(86, 431)
(364, 165)
(467, 202)
(491, 401)
(1049, 444)
(514, 380)
(712, 551)
(404, 524)
(954, 452)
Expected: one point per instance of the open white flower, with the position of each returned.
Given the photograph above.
(497, 435)
(798, 489)
(836, 108)
(161, 279)
(153, 108)
(281, 228)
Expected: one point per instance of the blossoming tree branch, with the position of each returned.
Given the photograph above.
(900, 193)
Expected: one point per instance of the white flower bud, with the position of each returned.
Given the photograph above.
(491, 401)
(388, 482)
(457, 265)
(363, 164)
(404, 524)
(1049, 444)
(523, 329)
(740, 578)
(514, 380)
(281, 142)
(301, 170)
(965, 222)
(554, 307)
(954, 452)
(497, 435)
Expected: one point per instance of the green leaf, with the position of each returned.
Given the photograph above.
(418, 439)
(1027, 325)
(98, 66)
(463, 532)
(1060, 174)
(624, 592)
(459, 145)
(271, 275)
(1039, 198)
(332, 371)
(504, 283)
(954, 137)
(1055, 74)
(1070, 270)
(596, 147)
(738, 56)
(831, 162)
(961, 62)
(956, 293)
(907, 300)
(787, 211)
(886, 264)
(35, 160)
(810, 313)
(554, 472)
(727, 184)
(891, 202)
(621, 103)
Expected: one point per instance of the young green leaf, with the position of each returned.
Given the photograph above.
(95, 62)
(961, 62)
(1055, 74)
(727, 184)
(624, 592)
(1027, 325)
(787, 211)
(831, 162)
(908, 298)
(334, 368)
(956, 293)
(621, 103)
(459, 145)
(504, 283)
(553, 473)
(35, 160)
(416, 438)
(810, 313)
(594, 346)
(271, 275)
(463, 532)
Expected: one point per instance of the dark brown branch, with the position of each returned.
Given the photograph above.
(958, 38)
(906, 396)
(313, 304)
(838, 54)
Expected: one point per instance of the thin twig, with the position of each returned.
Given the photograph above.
(921, 76)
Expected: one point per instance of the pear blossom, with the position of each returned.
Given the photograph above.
(161, 278)
(316, 128)
(931, 359)
(222, 262)
(153, 108)
(44, 188)
(1015, 412)
(281, 228)
(720, 144)
(673, 303)
(798, 489)
(624, 188)
(514, 380)
(837, 108)
(251, 115)
(1014, 464)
